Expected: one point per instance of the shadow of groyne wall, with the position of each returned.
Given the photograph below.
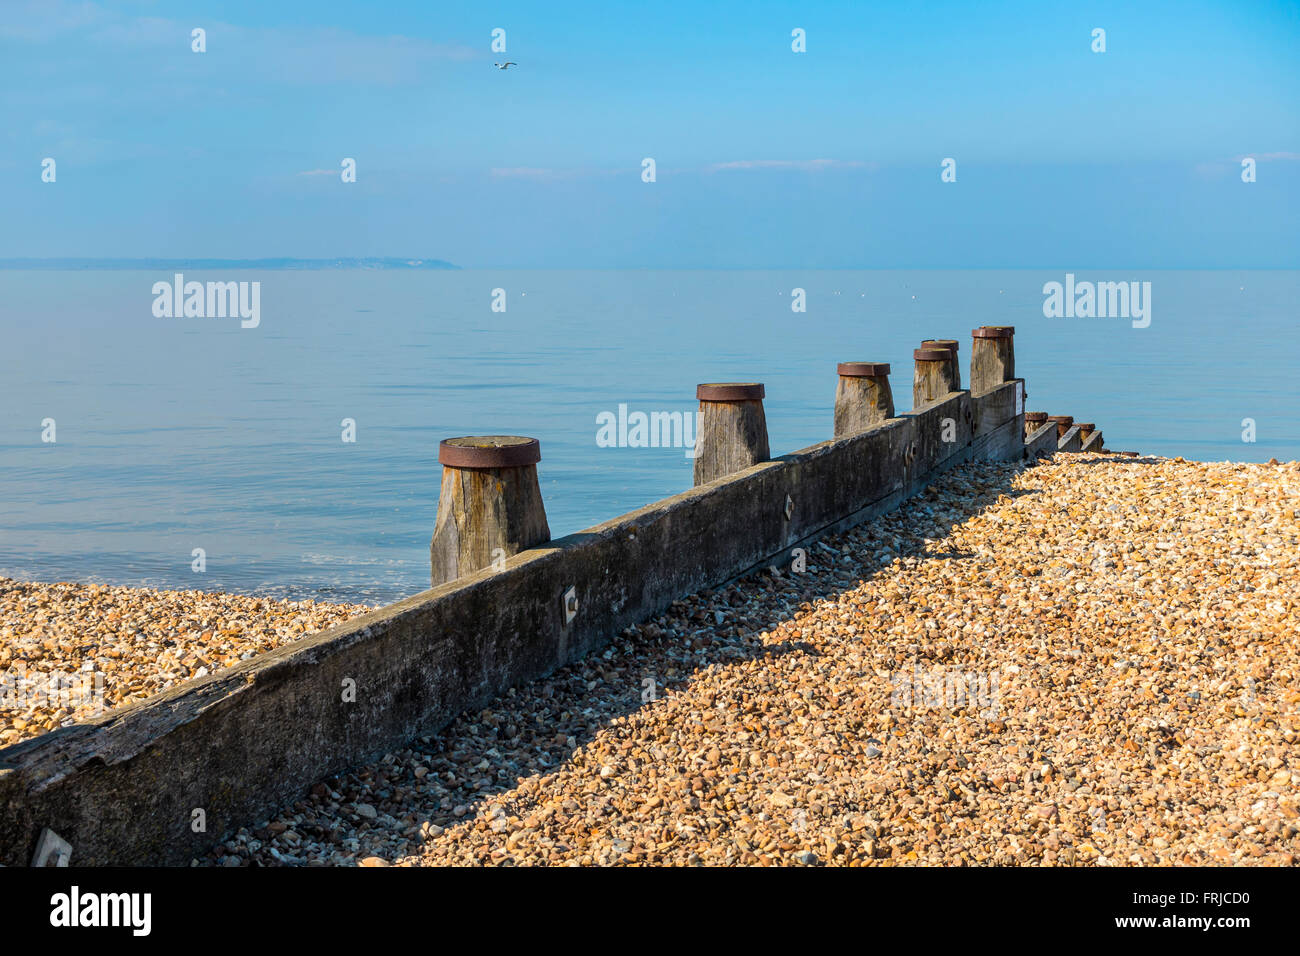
(542, 728)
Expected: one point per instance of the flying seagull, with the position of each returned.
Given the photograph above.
(502, 66)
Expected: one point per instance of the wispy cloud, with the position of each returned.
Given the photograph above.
(1218, 168)
(523, 172)
(292, 55)
(803, 165)
(39, 21)
(540, 173)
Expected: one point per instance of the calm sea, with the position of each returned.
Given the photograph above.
(177, 434)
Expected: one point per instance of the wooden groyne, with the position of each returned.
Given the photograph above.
(508, 605)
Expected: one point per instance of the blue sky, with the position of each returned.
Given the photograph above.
(766, 158)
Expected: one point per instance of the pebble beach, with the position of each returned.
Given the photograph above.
(71, 651)
(1088, 661)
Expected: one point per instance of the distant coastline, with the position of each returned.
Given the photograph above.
(91, 265)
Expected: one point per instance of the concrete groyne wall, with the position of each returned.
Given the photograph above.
(128, 787)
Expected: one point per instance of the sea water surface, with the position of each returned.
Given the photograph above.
(179, 434)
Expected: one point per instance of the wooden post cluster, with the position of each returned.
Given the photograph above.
(863, 398)
(992, 357)
(732, 433)
(951, 346)
(933, 378)
(1034, 421)
(1063, 423)
(490, 506)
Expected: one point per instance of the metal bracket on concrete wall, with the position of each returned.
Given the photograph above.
(570, 602)
(789, 507)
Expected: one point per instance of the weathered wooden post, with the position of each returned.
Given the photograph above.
(1063, 423)
(950, 345)
(992, 357)
(1034, 421)
(863, 398)
(1090, 437)
(490, 506)
(933, 377)
(732, 433)
(1040, 435)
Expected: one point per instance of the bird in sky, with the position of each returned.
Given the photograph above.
(502, 66)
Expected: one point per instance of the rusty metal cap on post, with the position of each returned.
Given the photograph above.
(993, 332)
(862, 369)
(931, 355)
(729, 392)
(1035, 416)
(939, 344)
(489, 451)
